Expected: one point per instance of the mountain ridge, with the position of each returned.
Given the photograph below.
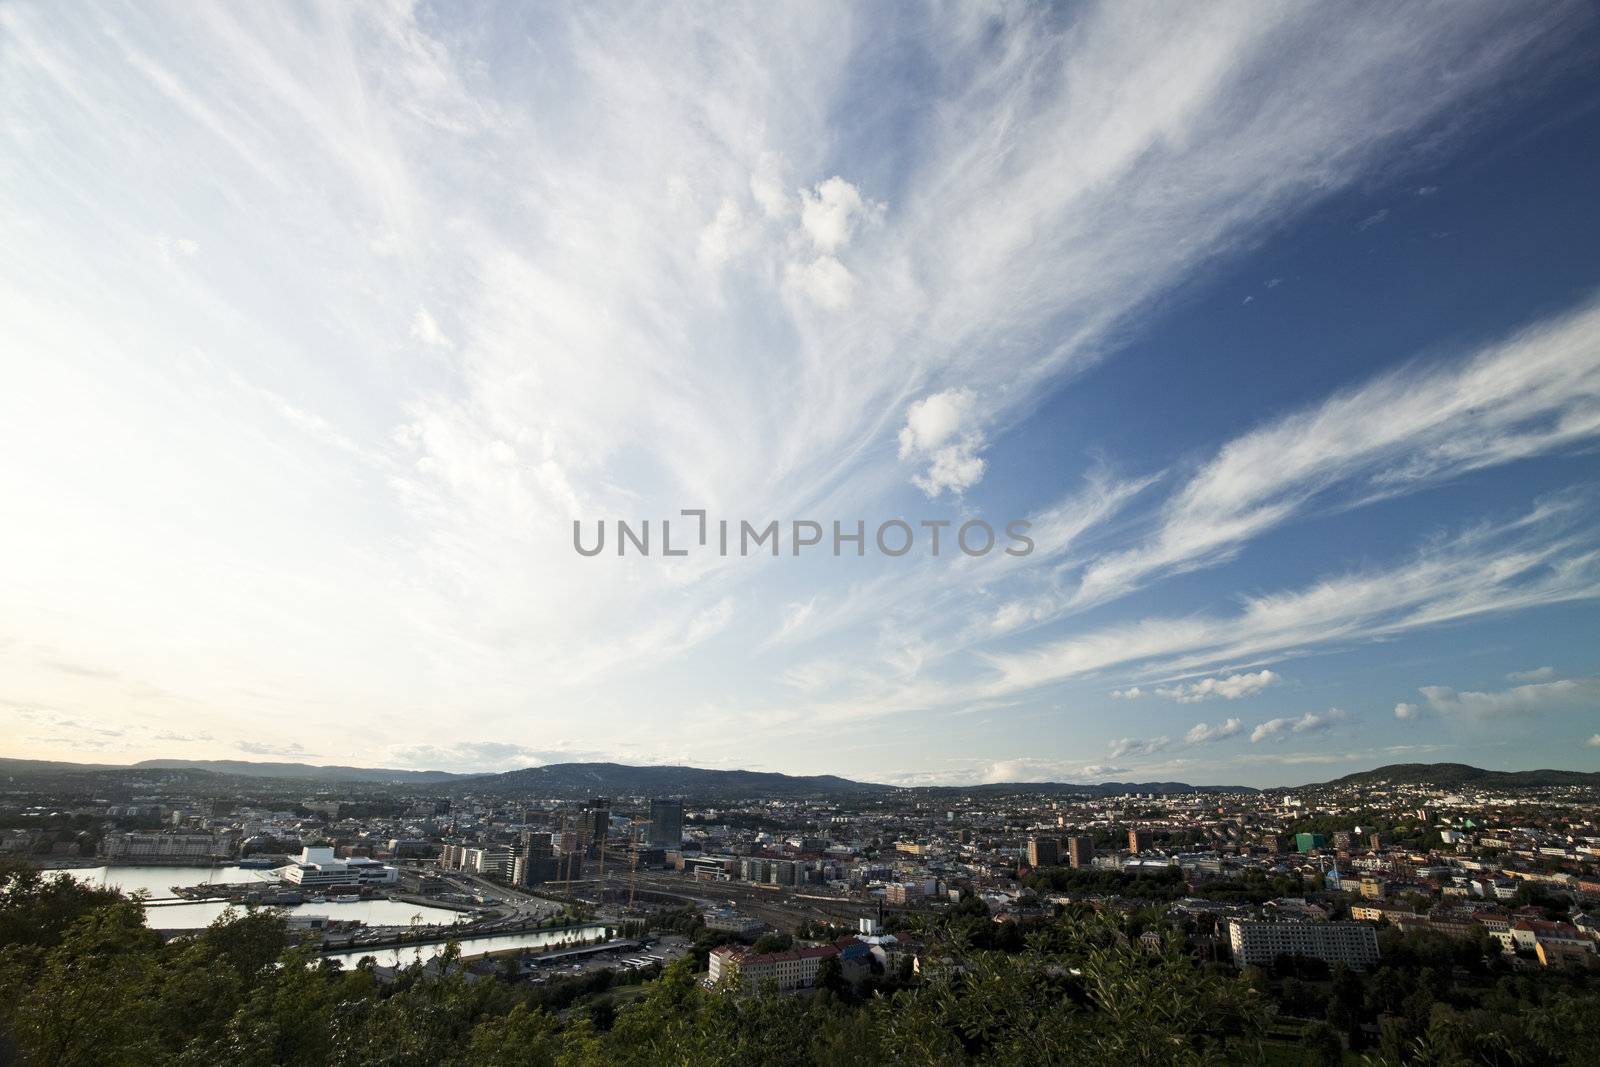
(675, 779)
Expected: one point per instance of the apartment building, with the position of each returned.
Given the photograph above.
(790, 970)
(1253, 941)
(136, 848)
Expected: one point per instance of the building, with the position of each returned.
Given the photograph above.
(1080, 851)
(489, 861)
(140, 848)
(739, 968)
(422, 882)
(1376, 911)
(594, 825)
(902, 893)
(730, 922)
(318, 869)
(1255, 941)
(1138, 841)
(536, 861)
(1309, 842)
(1044, 851)
(666, 823)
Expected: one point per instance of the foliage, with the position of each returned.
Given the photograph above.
(83, 982)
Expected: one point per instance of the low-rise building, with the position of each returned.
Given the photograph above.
(739, 968)
(136, 847)
(318, 868)
(733, 923)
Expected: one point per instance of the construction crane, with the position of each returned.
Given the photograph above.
(566, 858)
(633, 858)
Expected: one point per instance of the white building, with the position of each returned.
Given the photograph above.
(1256, 942)
(318, 869)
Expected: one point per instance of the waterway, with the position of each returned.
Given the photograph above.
(477, 946)
(158, 881)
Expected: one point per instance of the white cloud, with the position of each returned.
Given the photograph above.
(824, 281)
(1518, 700)
(1536, 392)
(483, 756)
(1309, 723)
(1133, 692)
(1535, 559)
(1124, 747)
(1407, 711)
(271, 748)
(723, 237)
(1373, 219)
(1069, 175)
(1204, 733)
(1097, 772)
(425, 328)
(1231, 687)
(933, 421)
(1538, 674)
(938, 430)
(1593, 742)
(830, 214)
(767, 185)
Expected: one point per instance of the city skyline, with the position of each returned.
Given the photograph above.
(1279, 325)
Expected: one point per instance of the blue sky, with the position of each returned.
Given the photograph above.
(1280, 324)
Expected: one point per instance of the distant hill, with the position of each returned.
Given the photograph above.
(1458, 775)
(607, 778)
(1098, 789)
(579, 779)
(558, 779)
(209, 770)
(307, 771)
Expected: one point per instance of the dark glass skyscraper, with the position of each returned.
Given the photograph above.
(666, 823)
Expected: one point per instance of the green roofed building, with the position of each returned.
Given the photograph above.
(1308, 842)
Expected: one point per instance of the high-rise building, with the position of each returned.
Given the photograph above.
(666, 823)
(1080, 851)
(1044, 851)
(1138, 841)
(536, 860)
(594, 823)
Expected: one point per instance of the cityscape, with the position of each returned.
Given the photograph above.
(1436, 907)
(810, 534)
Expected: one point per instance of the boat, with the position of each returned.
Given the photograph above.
(347, 898)
(317, 899)
(253, 863)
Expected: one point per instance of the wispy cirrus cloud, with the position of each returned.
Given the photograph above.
(1535, 559)
(1536, 392)
(466, 323)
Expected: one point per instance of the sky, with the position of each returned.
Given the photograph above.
(1278, 323)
